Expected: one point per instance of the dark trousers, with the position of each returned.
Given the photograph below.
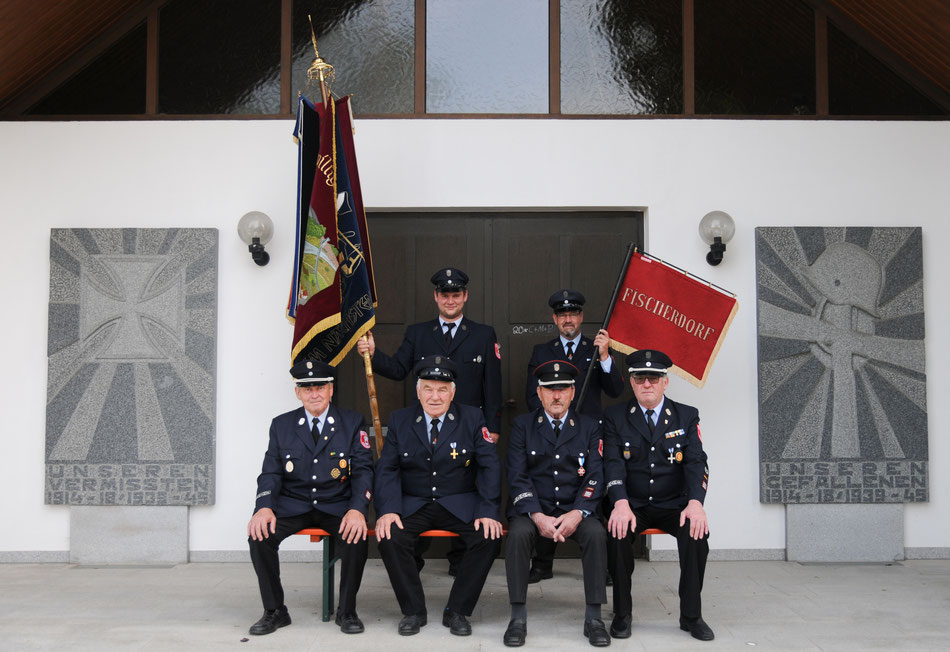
(523, 534)
(692, 554)
(398, 556)
(267, 566)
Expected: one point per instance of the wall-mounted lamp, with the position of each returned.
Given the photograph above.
(256, 229)
(716, 229)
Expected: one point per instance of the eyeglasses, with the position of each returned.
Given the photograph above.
(639, 380)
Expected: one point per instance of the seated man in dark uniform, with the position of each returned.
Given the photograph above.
(555, 480)
(438, 469)
(656, 477)
(317, 472)
(582, 352)
(472, 346)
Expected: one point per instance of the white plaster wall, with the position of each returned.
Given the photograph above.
(207, 174)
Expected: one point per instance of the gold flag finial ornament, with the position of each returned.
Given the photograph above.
(319, 71)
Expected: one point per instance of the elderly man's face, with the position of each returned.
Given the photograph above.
(649, 389)
(569, 323)
(435, 396)
(315, 398)
(450, 304)
(556, 401)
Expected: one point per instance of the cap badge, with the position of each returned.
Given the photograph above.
(557, 367)
(648, 355)
(309, 365)
(564, 294)
(448, 272)
(438, 360)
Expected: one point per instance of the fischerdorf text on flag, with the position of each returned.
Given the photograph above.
(662, 308)
(332, 297)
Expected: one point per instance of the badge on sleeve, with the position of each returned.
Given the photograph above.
(487, 436)
(699, 434)
(497, 351)
(600, 447)
(364, 439)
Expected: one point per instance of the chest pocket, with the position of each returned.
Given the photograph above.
(630, 449)
(295, 463)
(339, 467)
(674, 444)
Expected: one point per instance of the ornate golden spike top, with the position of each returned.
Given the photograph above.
(319, 71)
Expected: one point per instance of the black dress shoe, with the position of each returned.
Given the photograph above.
(270, 621)
(535, 575)
(620, 627)
(349, 623)
(596, 632)
(410, 625)
(697, 629)
(456, 622)
(516, 633)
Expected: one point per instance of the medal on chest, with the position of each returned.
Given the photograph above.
(580, 469)
(454, 452)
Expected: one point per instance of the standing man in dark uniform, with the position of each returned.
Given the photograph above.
(317, 472)
(571, 345)
(555, 480)
(438, 469)
(473, 347)
(656, 477)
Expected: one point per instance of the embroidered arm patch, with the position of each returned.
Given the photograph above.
(526, 494)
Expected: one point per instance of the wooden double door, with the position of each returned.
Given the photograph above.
(515, 261)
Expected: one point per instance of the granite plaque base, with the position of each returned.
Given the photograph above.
(842, 533)
(128, 535)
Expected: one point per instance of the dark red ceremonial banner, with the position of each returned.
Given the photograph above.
(662, 308)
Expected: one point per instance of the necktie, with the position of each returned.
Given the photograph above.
(650, 421)
(448, 333)
(315, 430)
(557, 428)
(569, 347)
(434, 432)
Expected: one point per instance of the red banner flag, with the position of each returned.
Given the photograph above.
(660, 307)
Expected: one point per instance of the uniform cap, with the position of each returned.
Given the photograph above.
(449, 279)
(312, 372)
(647, 362)
(555, 374)
(436, 367)
(566, 300)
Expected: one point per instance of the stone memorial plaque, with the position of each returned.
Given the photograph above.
(131, 368)
(842, 388)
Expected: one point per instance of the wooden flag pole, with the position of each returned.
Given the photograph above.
(373, 404)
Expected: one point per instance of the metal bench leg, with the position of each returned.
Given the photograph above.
(329, 559)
